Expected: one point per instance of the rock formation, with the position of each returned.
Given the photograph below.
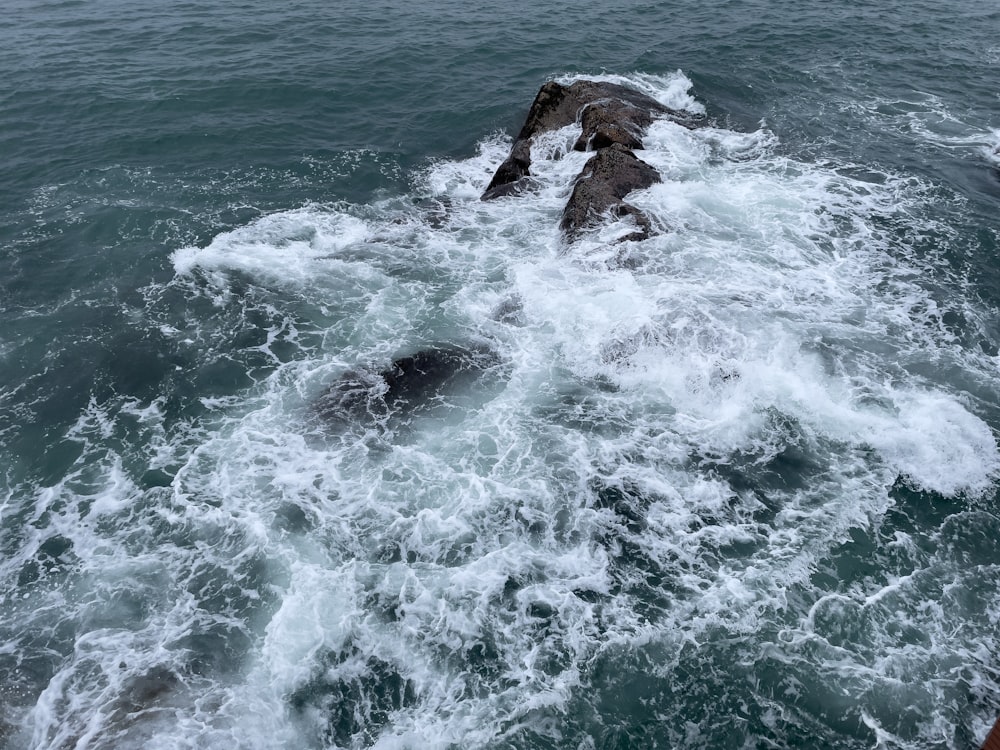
(613, 119)
(598, 192)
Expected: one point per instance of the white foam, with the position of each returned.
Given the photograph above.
(284, 247)
(936, 443)
(991, 149)
(748, 384)
(671, 90)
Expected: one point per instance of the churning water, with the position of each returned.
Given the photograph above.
(734, 485)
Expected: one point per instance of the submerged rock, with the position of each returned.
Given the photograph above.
(601, 187)
(609, 113)
(409, 382)
(427, 372)
(510, 311)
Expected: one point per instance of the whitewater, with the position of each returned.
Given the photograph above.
(728, 486)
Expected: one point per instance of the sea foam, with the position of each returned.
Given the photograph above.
(685, 433)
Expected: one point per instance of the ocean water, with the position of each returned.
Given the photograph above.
(733, 486)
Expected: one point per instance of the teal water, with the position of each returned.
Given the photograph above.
(739, 491)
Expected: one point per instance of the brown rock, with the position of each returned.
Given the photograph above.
(557, 106)
(610, 113)
(511, 176)
(612, 121)
(601, 187)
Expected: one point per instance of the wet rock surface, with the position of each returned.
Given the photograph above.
(607, 178)
(613, 120)
(410, 383)
(609, 113)
(512, 173)
(557, 106)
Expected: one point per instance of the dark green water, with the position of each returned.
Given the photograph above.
(740, 491)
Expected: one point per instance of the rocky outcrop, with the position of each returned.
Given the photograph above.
(512, 176)
(608, 112)
(613, 120)
(600, 189)
(557, 105)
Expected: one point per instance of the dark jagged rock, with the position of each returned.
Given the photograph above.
(612, 121)
(509, 188)
(601, 188)
(554, 107)
(610, 113)
(512, 173)
(557, 106)
(409, 381)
